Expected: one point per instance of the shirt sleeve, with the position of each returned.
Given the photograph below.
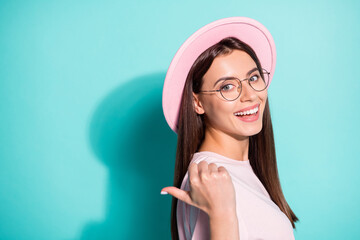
(193, 223)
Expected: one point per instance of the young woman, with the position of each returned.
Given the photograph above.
(225, 164)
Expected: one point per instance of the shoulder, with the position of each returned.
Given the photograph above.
(208, 157)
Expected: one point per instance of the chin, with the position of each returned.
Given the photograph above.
(242, 134)
(255, 132)
(252, 133)
(250, 130)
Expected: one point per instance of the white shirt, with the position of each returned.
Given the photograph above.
(258, 216)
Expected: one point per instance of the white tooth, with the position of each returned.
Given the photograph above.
(252, 111)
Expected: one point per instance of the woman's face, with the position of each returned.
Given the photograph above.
(220, 114)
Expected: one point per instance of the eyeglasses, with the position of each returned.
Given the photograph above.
(230, 88)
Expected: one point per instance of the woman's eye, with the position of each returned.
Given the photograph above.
(254, 78)
(227, 87)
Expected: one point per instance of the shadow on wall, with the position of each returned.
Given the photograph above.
(130, 136)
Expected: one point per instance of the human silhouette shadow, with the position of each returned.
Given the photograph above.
(129, 135)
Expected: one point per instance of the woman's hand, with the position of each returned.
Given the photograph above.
(211, 189)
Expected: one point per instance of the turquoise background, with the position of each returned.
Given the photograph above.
(85, 149)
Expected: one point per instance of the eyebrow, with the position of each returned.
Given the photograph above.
(231, 77)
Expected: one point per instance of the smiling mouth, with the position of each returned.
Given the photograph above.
(250, 112)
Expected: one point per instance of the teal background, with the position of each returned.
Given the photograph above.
(85, 149)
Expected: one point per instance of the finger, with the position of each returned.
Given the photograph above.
(193, 172)
(223, 171)
(213, 168)
(203, 169)
(179, 194)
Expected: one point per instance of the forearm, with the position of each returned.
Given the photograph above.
(224, 227)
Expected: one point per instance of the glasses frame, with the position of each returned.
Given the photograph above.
(240, 85)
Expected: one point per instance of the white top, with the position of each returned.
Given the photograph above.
(258, 216)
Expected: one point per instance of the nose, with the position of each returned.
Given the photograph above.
(247, 92)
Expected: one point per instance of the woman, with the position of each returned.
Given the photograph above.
(225, 163)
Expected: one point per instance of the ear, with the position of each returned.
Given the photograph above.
(197, 105)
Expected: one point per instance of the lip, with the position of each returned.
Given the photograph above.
(250, 118)
(248, 108)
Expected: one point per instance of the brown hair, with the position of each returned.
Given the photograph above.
(191, 129)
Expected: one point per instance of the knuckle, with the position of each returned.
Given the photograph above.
(224, 173)
(212, 165)
(192, 165)
(214, 175)
(194, 180)
(204, 176)
(225, 176)
(203, 163)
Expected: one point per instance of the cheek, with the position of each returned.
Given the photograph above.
(263, 95)
(218, 110)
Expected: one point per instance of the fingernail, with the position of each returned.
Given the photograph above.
(163, 192)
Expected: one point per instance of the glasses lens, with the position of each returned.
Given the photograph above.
(259, 81)
(229, 89)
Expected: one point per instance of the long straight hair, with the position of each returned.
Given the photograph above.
(191, 131)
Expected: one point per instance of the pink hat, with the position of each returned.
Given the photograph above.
(246, 29)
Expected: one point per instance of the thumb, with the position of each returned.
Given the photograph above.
(179, 194)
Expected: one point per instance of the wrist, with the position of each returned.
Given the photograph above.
(229, 214)
(224, 226)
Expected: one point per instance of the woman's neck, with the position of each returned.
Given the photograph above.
(234, 147)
